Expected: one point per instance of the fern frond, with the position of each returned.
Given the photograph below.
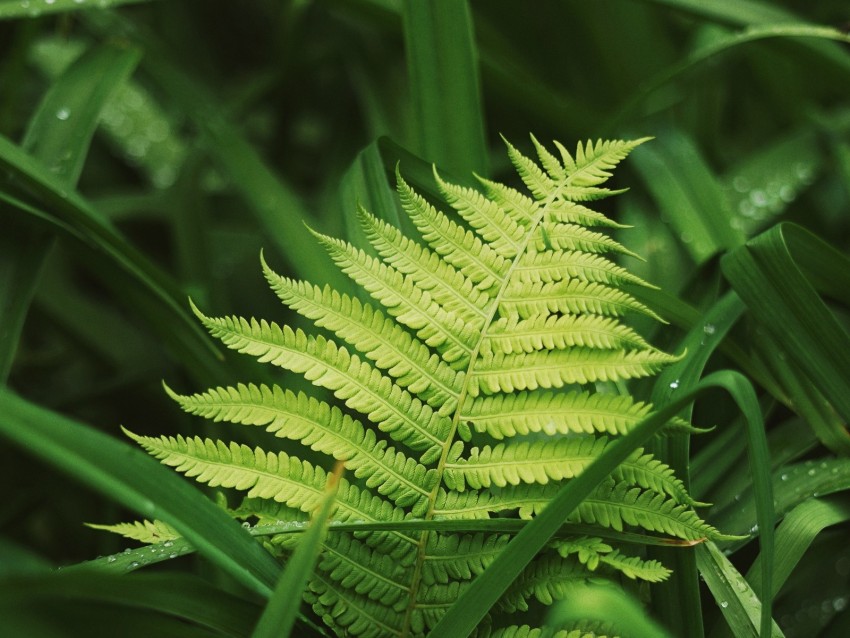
(321, 361)
(409, 361)
(524, 631)
(144, 531)
(322, 428)
(458, 246)
(447, 286)
(571, 296)
(559, 332)
(485, 217)
(474, 320)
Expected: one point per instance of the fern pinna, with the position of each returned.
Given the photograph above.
(467, 391)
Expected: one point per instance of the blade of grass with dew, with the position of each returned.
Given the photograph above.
(777, 276)
(281, 611)
(59, 133)
(677, 600)
(275, 204)
(738, 603)
(608, 604)
(473, 605)
(688, 194)
(155, 292)
(16, 9)
(186, 597)
(444, 87)
(135, 480)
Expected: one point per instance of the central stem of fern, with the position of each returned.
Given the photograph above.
(432, 497)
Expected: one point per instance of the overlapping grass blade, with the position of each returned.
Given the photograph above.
(778, 275)
(135, 480)
(485, 590)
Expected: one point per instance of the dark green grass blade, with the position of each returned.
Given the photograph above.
(58, 134)
(443, 71)
(179, 595)
(485, 590)
(776, 274)
(677, 600)
(608, 604)
(738, 603)
(137, 481)
(280, 613)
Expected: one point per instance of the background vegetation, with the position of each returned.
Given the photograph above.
(149, 150)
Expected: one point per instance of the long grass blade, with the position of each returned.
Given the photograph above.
(135, 480)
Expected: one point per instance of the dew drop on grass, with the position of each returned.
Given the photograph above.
(111, 559)
(674, 384)
(709, 329)
(811, 472)
(784, 477)
(724, 604)
(133, 565)
(168, 544)
(63, 114)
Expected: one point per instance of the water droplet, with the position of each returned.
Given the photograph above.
(686, 237)
(724, 604)
(111, 559)
(709, 329)
(128, 551)
(168, 544)
(173, 555)
(839, 603)
(49, 1)
(786, 194)
(246, 525)
(758, 198)
(811, 472)
(63, 114)
(741, 184)
(674, 384)
(133, 565)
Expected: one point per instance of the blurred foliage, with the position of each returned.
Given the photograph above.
(230, 125)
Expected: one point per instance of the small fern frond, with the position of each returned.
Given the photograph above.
(144, 531)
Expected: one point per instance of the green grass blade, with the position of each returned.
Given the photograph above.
(774, 274)
(485, 590)
(738, 603)
(180, 595)
(135, 480)
(280, 613)
(794, 536)
(608, 604)
(443, 72)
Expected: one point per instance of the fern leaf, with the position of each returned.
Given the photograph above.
(486, 217)
(537, 181)
(557, 265)
(458, 246)
(593, 162)
(572, 237)
(447, 286)
(592, 552)
(322, 428)
(522, 209)
(321, 361)
(144, 531)
(409, 361)
(505, 416)
(555, 369)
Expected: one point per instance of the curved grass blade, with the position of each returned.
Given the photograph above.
(605, 603)
(137, 481)
(280, 613)
(778, 274)
(738, 603)
(59, 133)
(485, 590)
(173, 594)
